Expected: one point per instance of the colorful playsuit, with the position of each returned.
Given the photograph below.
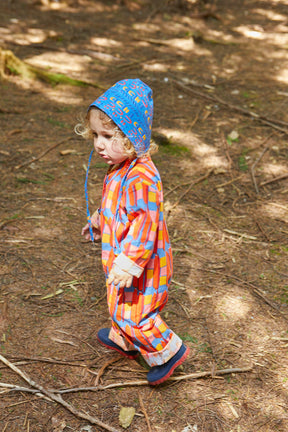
(135, 237)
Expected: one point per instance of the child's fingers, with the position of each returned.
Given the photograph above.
(129, 281)
(124, 279)
(84, 229)
(110, 278)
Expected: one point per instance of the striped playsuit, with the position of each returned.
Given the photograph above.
(134, 235)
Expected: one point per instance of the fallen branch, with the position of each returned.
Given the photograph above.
(213, 373)
(274, 123)
(34, 159)
(9, 62)
(173, 378)
(57, 398)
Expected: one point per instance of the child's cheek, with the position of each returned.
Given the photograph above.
(117, 148)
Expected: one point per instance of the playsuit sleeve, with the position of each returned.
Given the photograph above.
(143, 208)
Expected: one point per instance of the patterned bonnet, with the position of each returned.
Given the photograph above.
(129, 103)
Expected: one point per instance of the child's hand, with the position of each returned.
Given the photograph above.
(117, 275)
(86, 233)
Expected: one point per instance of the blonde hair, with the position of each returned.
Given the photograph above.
(83, 129)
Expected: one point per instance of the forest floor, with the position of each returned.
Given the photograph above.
(219, 73)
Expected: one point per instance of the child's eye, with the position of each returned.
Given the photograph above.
(95, 135)
(108, 136)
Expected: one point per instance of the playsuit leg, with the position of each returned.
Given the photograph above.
(136, 323)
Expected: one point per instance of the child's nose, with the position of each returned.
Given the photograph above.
(98, 144)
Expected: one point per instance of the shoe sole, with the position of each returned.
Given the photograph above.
(178, 363)
(123, 353)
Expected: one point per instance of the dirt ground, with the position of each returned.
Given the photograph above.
(219, 73)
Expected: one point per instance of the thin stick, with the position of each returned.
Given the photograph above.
(187, 184)
(144, 412)
(34, 159)
(270, 122)
(282, 177)
(5, 427)
(255, 289)
(22, 402)
(262, 230)
(246, 236)
(57, 398)
(24, 360)
(254, 165)
(200, 179)
(101, 371)
(230, 181)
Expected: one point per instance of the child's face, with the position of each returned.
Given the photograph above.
(108, 147)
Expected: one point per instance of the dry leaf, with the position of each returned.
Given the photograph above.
(126, 416)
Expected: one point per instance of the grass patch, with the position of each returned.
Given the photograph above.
(57, 123)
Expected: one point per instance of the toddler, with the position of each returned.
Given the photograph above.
(136, 253)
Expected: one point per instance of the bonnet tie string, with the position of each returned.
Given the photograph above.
(86, 197)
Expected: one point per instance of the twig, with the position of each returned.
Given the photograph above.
(262, 230)
(12, 387)
(144, 412)
(179, 186)
(57, 398)
(282, 177)
(200, 179)
(240, 234)
(153, 41)
(274, 123)
(101, 371)
(254, 165)
(22, 402)
(255, 289)
(49, 360)
(229, 182)
(34, 159)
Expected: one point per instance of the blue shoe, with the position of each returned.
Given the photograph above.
(159, 374)
(103, 338)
